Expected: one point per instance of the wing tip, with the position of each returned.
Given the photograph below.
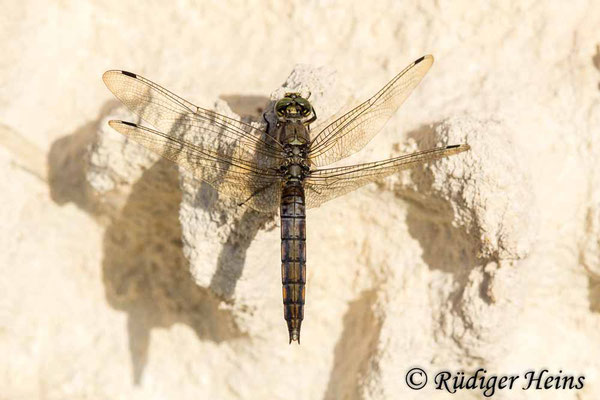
(110, 72)
(115, 122)
(106, 75)
(459, 147)
(425, 57)
(131, 74)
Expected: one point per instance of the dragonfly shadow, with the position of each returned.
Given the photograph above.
(232, 257)
(247, 107)
(146, 273)
(144, 270)
(445, 247)
(594, 293)
(244, 228)
(67, 162)
(354, 348)
(596, 60)
(593, 280)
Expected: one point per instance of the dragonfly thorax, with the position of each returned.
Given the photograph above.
(295, 165)
(295, 139)
(292, 133)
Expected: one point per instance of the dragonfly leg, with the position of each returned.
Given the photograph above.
(267, 121)
(312, 119)
(262, 189)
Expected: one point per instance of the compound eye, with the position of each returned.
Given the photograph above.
(303, 102)
(281, 105)
(304, 105)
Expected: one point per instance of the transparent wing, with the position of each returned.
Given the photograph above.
(325, 184)
(246, 183)
(353, 130)
(173, 115)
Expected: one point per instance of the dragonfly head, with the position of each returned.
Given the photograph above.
(293, 106)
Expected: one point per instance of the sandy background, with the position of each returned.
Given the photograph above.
(121, 278)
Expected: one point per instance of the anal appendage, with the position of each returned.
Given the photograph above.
(294, 335)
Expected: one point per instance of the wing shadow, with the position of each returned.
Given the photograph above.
(445, 247)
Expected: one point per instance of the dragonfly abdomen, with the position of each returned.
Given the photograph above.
(293, 255)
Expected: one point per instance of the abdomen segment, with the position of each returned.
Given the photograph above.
(293, 256)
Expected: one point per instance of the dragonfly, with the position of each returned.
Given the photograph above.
(283, 166)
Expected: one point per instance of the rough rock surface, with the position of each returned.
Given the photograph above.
(121, 277)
